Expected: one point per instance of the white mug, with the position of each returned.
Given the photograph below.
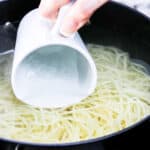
(50, 70)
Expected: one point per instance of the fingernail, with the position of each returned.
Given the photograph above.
(68, 28)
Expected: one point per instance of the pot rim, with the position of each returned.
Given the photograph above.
(93, 140)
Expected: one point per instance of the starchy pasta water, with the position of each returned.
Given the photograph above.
(121, 98)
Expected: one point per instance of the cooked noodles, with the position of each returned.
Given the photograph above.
(122, 98)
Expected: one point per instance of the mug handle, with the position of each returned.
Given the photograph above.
(59, 21)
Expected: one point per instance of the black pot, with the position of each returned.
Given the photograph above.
(114, 25)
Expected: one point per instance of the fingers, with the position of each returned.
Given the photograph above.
(50, 8)
(79, 15)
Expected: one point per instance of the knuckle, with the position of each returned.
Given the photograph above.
(85, 14)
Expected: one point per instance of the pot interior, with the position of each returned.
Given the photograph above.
(112, 25)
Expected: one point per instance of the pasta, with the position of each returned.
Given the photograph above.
(121, 98)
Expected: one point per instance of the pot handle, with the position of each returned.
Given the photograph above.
(17, 147)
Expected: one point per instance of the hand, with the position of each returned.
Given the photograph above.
(77, 16)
